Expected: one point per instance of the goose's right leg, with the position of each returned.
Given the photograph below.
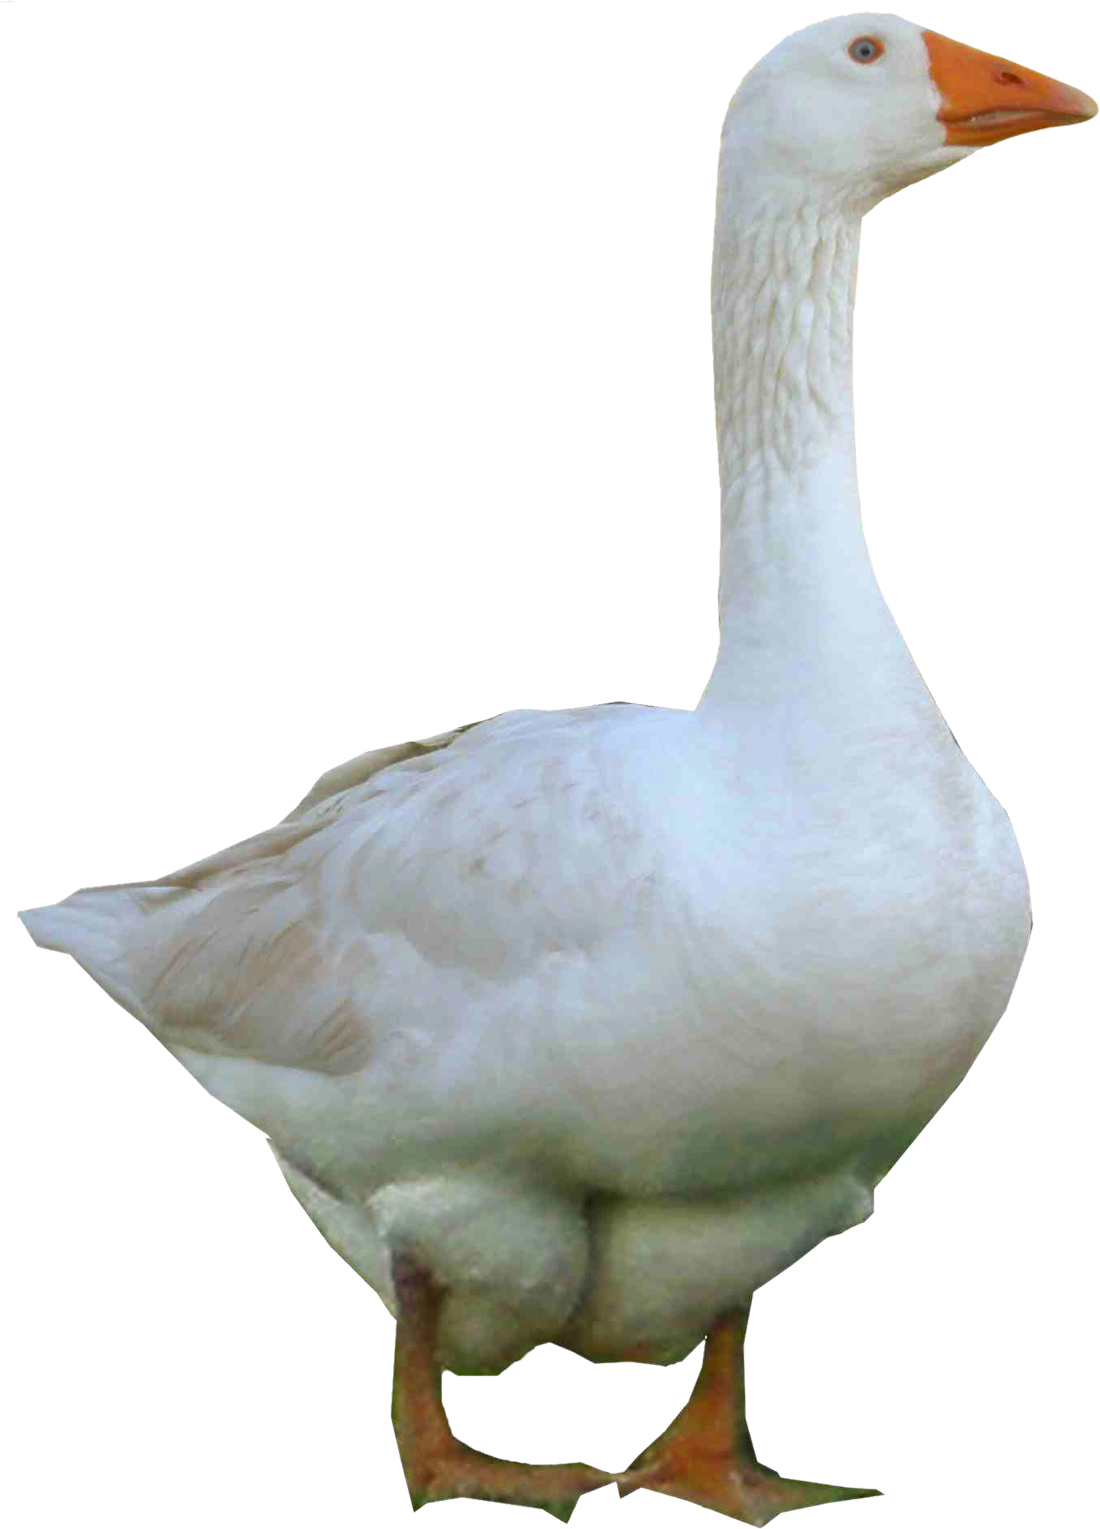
(436, 1464)
(706, 1455)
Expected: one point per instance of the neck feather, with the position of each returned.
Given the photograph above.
(799, 604)
(782, 299)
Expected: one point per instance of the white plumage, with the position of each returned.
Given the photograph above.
(606, 999)
(606, 1016)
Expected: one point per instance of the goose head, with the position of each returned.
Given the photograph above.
(852, 109)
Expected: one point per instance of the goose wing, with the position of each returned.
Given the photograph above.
(356, 772)
(471, 851)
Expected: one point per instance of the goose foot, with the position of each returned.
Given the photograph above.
(706, 1455)
(744, 1490)
(459, 1471)
(438, 1466)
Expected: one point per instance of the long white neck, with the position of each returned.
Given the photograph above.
(804, 628)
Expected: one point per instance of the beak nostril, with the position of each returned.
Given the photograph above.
(1006, 77)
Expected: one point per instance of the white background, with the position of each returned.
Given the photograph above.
(355, 384)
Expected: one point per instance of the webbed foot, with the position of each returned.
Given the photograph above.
(706, 1456)
(456, 1470)
(744, 1490)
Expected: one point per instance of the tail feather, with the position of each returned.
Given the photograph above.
(235, 966)
(90, 924)
(94, 926)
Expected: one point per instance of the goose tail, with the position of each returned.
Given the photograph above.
(80, 927)
(95, 927)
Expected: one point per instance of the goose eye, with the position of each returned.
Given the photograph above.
(865, 50)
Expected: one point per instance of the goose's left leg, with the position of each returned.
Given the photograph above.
(436, 1464)
(706, 1455)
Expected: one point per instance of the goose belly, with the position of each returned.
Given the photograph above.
(614, 1279)
(662, 1270)
(654, 1175)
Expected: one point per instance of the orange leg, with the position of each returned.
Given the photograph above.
(706, 1455)
(436, 1464)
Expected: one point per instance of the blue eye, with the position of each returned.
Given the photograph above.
(865, 50)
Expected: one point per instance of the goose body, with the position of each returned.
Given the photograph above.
(433, 1008)
(606, 1016)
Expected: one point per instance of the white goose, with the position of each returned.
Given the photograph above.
(577, 1027)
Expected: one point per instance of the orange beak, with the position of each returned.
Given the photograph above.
(986, 98)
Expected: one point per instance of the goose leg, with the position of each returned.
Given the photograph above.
(438, 1466)
(706, 1454)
